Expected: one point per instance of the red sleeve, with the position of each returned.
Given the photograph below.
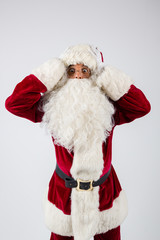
(25, 98)
(132, 105)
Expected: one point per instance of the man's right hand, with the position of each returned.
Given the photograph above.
(50, 72)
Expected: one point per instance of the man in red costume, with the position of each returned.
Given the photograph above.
(80, 100)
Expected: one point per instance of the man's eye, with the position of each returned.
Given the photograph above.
(71, 70)
(84, 70)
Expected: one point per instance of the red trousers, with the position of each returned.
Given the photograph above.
(113, 234)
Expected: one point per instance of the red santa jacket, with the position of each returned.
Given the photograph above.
(112, 209)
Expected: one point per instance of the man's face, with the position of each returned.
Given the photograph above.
(78, 71)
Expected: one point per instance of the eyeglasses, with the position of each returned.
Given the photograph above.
(83, 71)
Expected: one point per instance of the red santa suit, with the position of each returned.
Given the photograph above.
(69, 212)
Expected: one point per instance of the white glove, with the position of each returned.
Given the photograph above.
(114, 82)
(50, 72)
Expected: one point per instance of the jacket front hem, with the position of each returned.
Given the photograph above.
(61, 223)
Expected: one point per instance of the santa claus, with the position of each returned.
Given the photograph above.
(80, 101)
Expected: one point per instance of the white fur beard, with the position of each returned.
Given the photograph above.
(79, 117)
(77, 113)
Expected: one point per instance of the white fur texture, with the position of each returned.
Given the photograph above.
(61, 224)
(55, 220)
(78, 113)
(50, 72)
(81, 53)
(114, 82)
(85, 213)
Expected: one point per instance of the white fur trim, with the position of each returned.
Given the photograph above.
(114, 82)
(114, 216)
(61, 224)
(55, 219)
(50, 72)
(81, 53)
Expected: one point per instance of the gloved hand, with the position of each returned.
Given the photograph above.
(114, 82)
(50, 72)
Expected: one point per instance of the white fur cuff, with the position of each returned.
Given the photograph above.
(114, 82)
(62, 224)
(50, 72)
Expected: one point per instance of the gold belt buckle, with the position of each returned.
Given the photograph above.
(78, 185)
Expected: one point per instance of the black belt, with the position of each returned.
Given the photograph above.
(80, 184)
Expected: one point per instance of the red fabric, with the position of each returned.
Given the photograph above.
(59, 237)
(131, 106)
(108, 191)
(102, 57)
(56, 194)
(25, 101)
(113, 234)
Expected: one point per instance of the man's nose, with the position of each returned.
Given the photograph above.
(78, 74)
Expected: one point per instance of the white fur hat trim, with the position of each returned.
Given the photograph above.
(82, 54)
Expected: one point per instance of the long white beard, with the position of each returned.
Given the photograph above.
(78, 113)
(79, 117)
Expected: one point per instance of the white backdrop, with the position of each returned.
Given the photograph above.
(127, 32)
